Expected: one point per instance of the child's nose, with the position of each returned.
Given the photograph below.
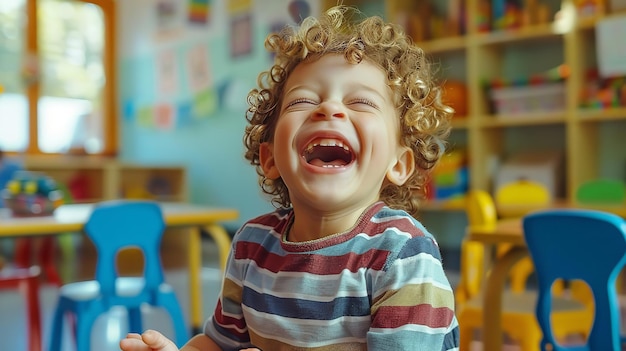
(330, 109)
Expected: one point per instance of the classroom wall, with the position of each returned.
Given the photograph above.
(209, 143)
(173, 112)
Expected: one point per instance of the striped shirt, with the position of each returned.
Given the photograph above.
(379, 286)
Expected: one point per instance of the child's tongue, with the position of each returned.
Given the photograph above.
(334, 163)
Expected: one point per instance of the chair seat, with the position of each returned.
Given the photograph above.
(525, 302)
(90, 289)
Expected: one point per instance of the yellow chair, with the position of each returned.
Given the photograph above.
(518, 303)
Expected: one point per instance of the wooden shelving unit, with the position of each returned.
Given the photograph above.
(477, 57)
(108, 178)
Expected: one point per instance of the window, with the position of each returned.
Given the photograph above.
(57, 83)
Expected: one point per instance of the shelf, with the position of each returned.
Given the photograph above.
(444, 45)
(530, 33)
(610, 114)
(494, 121)
(460, 122)
(105, 178)
(456, 204)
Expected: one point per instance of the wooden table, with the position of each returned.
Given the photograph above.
(505, 231)
(517, 211)
(72, 218)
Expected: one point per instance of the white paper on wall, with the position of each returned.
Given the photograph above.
(611, 46)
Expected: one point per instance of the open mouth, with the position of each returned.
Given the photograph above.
(328, 153)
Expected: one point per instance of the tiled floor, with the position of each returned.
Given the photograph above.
(109, 329)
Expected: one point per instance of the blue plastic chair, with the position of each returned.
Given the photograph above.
(579, 245)
(113, 226)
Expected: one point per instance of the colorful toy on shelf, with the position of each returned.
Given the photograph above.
(590, 8)
(512, 14)
(428, 20)
(32, 194)
(455, 94)
(600, 93)
(483, 16)
(450, 176)
(506, 14)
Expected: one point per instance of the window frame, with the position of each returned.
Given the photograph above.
(109, 92)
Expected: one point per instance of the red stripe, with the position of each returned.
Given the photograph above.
(424, 314)
(316, 264)
(404, 225)
(272, 220)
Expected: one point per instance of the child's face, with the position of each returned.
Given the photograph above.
(337, 136)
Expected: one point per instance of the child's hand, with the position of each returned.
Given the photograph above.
(150, 340)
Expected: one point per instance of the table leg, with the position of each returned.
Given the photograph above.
(195, 286)
(492, 304)
(222, 240)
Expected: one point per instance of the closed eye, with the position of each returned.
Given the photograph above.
(364, 102)
(301, 101)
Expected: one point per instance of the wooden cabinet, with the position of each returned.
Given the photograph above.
(100, 178)
(592, 142)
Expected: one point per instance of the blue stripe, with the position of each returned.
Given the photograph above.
(297, 308)
(224, 331)
(451, 340)
(418, 245)
(392, 339)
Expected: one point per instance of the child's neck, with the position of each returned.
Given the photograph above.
(311, 225)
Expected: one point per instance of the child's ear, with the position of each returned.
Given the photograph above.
(266, 160)
(403, 168)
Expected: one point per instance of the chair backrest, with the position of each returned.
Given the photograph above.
(523, 192)
(481, 212)
(122, 224)
(579, 245)
(604, 191)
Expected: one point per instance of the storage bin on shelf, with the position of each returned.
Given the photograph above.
(528, 99)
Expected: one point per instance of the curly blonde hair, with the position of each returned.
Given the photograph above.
(424, 119)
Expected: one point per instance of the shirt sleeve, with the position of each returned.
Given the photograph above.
(227, 327)
(413, 302)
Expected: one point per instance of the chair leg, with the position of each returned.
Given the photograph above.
(84, 324)
(57, 329)
(530, 342)
(465, 336)
(31, 292)
(22, 256)
(169, 302)
(47, 255)
(135, 324)
(180, 329)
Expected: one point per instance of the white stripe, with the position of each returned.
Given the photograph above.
(424, 329)
(337, 285)
(305, 331)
